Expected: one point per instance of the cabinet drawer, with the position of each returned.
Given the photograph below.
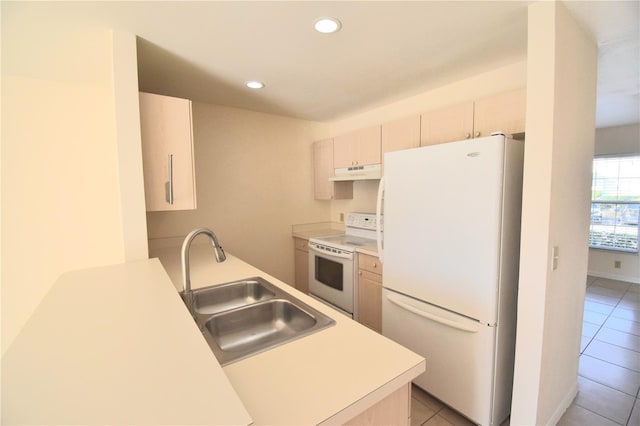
(301, 244)
(370, 276)
(369, 263)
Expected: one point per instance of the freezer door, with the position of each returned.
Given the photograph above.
(459, 354)
(442, 224)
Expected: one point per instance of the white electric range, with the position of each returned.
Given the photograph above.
(331, 261)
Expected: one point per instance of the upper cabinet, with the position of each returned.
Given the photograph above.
(167, 152)
(357, 148)
(401, 134)
(449, 124)
(323, 168)
(503, 112)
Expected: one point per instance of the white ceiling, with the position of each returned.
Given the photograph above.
(206, 50)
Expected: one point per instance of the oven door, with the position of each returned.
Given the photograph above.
(331, 276)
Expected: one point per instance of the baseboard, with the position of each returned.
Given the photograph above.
(564, 404)
(635, 280)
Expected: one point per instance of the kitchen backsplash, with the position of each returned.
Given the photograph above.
(365, 193)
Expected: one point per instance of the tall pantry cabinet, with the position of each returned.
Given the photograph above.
(167, 152)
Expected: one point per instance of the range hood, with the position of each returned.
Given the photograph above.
(370, 171)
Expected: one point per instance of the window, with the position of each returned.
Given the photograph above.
(615, 203)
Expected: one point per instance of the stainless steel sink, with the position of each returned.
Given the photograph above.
(246, 317)
(219, 298)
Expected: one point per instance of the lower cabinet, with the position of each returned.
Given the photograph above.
(370, 292)
(301, 263)
(393, 410)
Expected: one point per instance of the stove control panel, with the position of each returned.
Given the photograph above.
(330, 250)
(363, 221)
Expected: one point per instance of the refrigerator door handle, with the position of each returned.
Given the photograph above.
(430, 316)
(378, 219)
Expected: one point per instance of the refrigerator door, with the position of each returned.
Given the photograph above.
(442, 207)
(458, 351)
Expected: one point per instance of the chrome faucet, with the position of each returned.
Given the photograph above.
(186, 270)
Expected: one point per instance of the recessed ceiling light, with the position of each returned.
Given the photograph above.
(254, 84)
(327, 25)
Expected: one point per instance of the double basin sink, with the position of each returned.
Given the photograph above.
(245, 317)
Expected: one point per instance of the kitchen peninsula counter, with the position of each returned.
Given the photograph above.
(116, 345)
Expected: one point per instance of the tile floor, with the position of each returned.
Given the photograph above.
(609, 369)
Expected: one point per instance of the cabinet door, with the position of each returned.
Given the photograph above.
(302, 271)
(401, 134)
(357, 148)
(449, 124)
(370, 300)
(301, 244)
(504, 112)
(395, 409)
(323, 188)
(369, 146)
(167, 151)
(345, 150)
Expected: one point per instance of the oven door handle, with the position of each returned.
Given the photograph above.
(330, 255)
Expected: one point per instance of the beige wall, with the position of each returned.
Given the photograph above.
(254, 179)
(495, 81)
(556, 195)
(127, 115)
(616, 140)
(499, 80)
(61, 205)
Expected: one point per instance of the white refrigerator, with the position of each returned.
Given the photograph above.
(450, 256)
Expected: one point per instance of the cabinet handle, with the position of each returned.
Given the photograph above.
(467, 136)
(477, 134)
(168, 186)
(375, 265)
(359, 272)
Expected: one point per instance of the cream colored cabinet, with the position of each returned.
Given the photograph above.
(323, 169)
(502, 112)
(395, 409)
(167, 152)
(357, 148)
(370, 292)
(447, 124)
(401, 134)
(301, 264)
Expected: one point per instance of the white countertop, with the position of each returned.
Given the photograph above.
(115, 345)
(329, 376)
